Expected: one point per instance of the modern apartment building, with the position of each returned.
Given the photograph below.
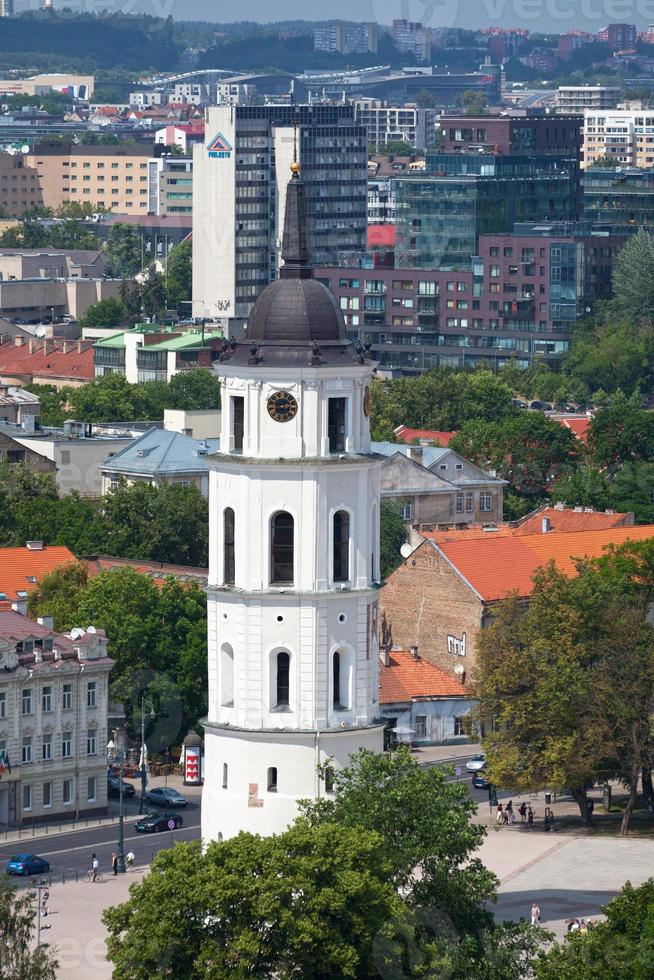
(623, 135)
(440, 216)
(53, 720)
(517, 299)
(151, 353)
(512, 135)
(621, 197)
(113, 177)
(240, 178)
(346, 38)
(574, 99)
(619, 36)
(385, 123)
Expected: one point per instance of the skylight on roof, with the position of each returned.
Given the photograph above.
(31, 578)
(21, 593)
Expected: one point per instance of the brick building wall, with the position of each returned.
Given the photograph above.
(427, 604)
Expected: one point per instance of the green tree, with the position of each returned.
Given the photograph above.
(109, 397)
(27, 234)
(124, 251)
(153, 294)
(79, 210)
(70, 234)
(167, 523)
(620, 947)
(621, 432)
(179, 274)
(430, 843)
(194, 390)
(474, 103)
(586, 487)
(307, 903)
(106, 313)
(393, 535)
(633, 490)
(527, 449)
(633, 278)
(72, 521)
(53, 403)
(610, 355)
(569, 682)
(18, 959)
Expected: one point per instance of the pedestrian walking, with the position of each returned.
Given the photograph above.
(129, 860)
(95, 866)
(499, 816)
(510, 815)
(114, 863)
(522, 810)
(535, 914)
(530, 817)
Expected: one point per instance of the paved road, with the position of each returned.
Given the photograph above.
(480, 796)
(71, 852)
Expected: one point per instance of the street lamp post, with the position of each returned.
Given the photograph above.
(143, 773)
(120, 856)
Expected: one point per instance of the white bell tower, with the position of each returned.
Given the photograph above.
(294, 555)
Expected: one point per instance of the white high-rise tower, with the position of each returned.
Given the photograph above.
(294, 555)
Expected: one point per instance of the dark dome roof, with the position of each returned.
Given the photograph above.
(295, 311)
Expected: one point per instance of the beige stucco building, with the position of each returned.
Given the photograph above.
(53, 720)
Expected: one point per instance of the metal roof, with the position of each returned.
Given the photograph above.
(160, 452)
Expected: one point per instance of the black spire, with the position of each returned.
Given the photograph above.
(295, 243)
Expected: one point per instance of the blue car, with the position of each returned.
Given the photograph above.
(480, 782)
(27, 864)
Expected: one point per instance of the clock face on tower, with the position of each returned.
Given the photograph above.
(282, 406)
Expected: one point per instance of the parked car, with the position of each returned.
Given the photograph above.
(476, 763)
(152, 823)
(541, 406)
(113, 787)
(27, 864)
(480, 782)
(166, 796)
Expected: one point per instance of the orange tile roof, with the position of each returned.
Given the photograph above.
(407, 679)
(568, 519)
(473, 531)
(496, 566)
(404, 434)
(54, 364)
(578, 426)
(18, 565)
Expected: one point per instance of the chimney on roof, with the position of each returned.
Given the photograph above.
(19, 341)
(414, 652)
(38, 655)
(385, 656)
(20, 606)
(32, 345)
(47, 622)
(34, 545)
(79, 346)
(545, 525)
(416, 454)
(65, 347)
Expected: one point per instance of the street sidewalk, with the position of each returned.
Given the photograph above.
(444, 753)
(73, 928)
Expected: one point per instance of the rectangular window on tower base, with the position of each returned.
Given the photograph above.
(238, 417)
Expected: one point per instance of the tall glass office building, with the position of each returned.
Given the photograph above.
(440, 216)
(240, 178)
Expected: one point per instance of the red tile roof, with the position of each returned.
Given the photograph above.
(578, 426)
(73, 365)
(495, 566)
(381, 235)
(158, 571)
(404, 434)
(570, 519)
(18, 565)
(408, 679)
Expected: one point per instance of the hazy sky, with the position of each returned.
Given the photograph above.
(535, 15)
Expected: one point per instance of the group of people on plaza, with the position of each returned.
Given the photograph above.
(94, 870)
(506, 814)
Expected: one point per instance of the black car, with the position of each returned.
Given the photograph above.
(113, 787)
(152, 823)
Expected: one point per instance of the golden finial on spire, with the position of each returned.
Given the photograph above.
(295, 167)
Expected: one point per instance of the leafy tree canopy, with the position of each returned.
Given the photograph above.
(393, 535)
(19, 960)
(179, 274)
(124, 251)
(106, 313)
(633, 278)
